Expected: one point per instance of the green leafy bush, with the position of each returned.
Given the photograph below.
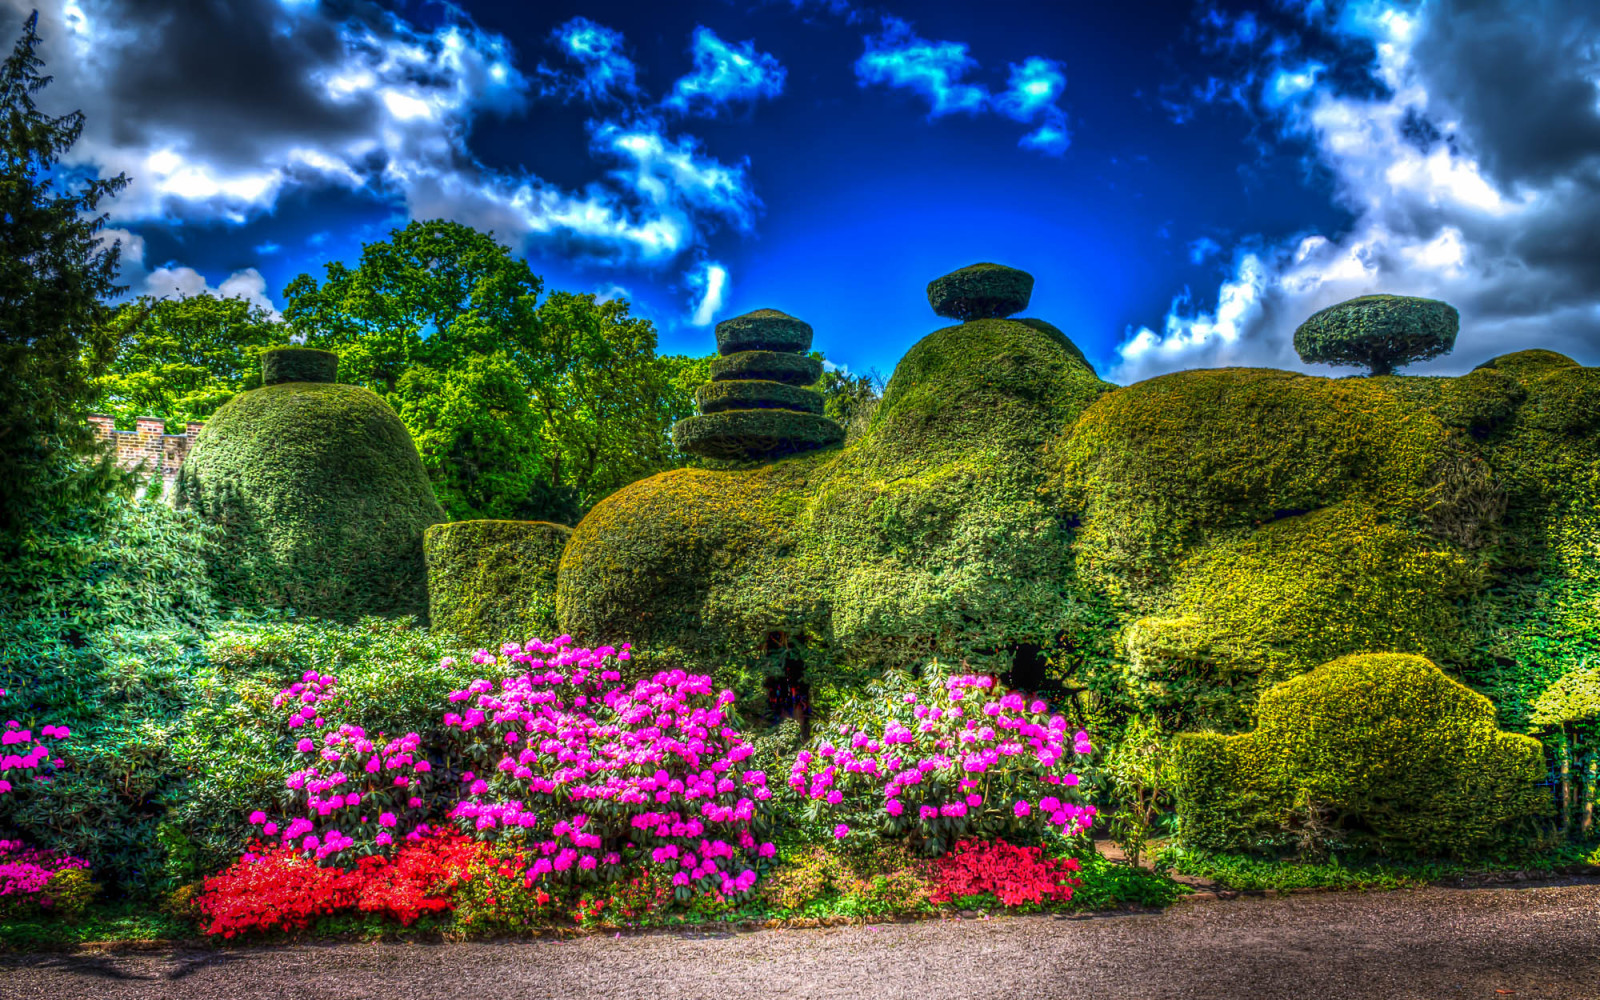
(1376, 752)
(492, 581)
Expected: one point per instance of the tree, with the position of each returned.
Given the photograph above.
(56, 271)
(181, 359)
(1379, 332)
(850, 399)
(519, 408)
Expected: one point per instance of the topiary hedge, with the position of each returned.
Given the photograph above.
(322, 500)
(773, 366)
(751, 394)
(298, 364)
(981, 291)
(1376, 752)
(763, 330)
(1378, 332)
(754, 434)
(494, 581)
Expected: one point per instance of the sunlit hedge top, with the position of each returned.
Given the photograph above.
(763, 330)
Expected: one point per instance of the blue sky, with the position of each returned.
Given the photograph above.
(1187, 181)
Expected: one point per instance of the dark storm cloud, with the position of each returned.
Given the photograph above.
(1521, 73)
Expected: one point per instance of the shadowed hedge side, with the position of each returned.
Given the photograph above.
(494, 581)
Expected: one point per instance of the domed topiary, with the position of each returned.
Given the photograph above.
(981, 291)
(494, 581)
(754, 434)
(790, 369)
(1380, 332)
(763, 330)
(322, 498)
(752, 394)
(298, 364)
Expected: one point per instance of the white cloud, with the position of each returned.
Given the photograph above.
(1430, 220)
(605, 73)
(710, 284)
(724, 74)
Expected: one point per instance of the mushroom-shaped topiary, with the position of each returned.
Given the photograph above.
(981, 291)
(1379, 332)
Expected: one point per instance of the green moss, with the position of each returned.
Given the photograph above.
(1378, 332)
(492, 582)
(981, 291)
(322, 499)
(298, 364)
(1259, 608)
(773, 366)
(753, 394)
(754, 434)
(1156, 468)
(1378, 752)
(763, 330)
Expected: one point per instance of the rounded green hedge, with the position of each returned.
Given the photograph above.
(752, 394)
(1379, 332)
(754, 434)
(770, 366)
(298, 364)
(494, 581)
(763, 330)
(1378, 752)
(322, 498)
(981, 291)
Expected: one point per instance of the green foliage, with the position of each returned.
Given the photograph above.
(181, 359)
(494, 581)
(1573, 698)
(1107, 884)
(926, 535)
(519, 407)
(298, 364)
(774, 366)
(1376, 752)
(55, 273)
(763, 330)
(733, 435)
(981, 291)
(1135, 768)
(322, 499)
(1259, 608)
(880, 878)
(753, 394)
(1379, 332)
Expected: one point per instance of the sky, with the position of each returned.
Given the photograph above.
(1187, 180)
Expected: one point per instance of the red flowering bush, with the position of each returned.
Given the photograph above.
(1014, 875)
(277, 887)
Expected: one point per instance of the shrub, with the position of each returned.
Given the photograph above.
(298, 364)
(942, 760)
(33, 879)
(981, 291)
(1017, 876)
(1379, 752)
(278, 888)
(24, 759)
(773, 366)
(491, 579)
(594, 778)
(881, 878)
(754, 434)
(322, 500)
(1379, 332)
(756, 394)
(763, 330)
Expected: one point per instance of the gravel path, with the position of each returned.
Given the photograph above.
(1430, 943)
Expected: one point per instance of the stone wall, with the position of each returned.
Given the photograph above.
(149, 448)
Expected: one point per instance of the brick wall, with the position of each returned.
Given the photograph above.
(148, 448)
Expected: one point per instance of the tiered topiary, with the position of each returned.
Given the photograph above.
(494, 581)
(319, 491)
(756, 407)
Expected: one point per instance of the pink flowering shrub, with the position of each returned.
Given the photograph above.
(31, 878)
(24, 758)
(942, 760)
(596, 777)
(352, 794)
